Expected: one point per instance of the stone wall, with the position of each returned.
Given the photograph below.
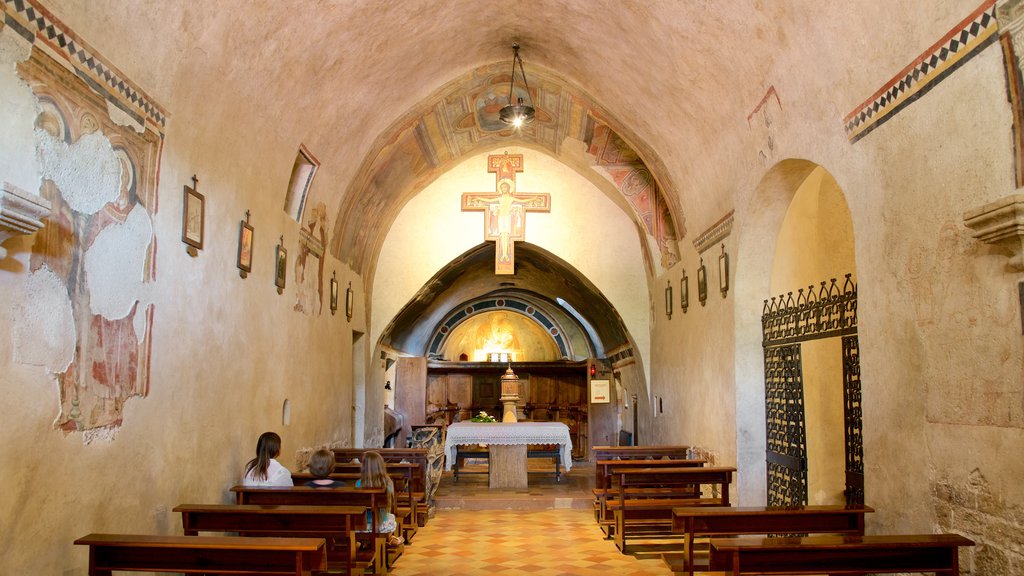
(972, 508)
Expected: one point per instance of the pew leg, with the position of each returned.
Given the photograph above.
(558, 469)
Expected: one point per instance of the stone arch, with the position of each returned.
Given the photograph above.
(772, 251)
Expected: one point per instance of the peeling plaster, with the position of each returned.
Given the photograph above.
(43, 327)
(18, 110)
(122, 118)
(87, 172)
(114, 266)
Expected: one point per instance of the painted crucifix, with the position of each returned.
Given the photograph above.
(505, 209)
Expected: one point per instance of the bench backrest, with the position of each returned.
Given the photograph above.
(418, 456)
(194, 554)
(674, 452)
(605, 476)
(839, 554)
(633, 481)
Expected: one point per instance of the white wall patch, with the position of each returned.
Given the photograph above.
(87, 172)
(114, 265)
(43, 325)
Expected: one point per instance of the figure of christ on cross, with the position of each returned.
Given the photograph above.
(505, 210)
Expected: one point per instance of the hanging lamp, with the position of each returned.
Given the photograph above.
(519, 114)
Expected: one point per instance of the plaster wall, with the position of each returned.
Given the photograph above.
(226, 352)
(941, 351)
(584, 228)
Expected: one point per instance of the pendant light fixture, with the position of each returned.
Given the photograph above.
(520, 113)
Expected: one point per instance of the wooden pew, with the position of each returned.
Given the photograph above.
(337, 525)
(704, 521)
(417, 456)
(670, 452)
(932, 553)
(204, 554)
(371, 498)
(406, 499)
(646, 497)
(605, 487)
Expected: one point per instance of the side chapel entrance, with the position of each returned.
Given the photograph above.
(811, 354)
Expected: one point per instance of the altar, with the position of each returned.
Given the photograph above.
(507, 444)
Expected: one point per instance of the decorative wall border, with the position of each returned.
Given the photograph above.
(506, 303)
(40, 27)
(716, 233)
(959, 45)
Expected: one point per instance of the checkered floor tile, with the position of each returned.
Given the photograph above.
(533, 542)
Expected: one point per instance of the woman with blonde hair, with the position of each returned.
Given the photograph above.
(374, 474)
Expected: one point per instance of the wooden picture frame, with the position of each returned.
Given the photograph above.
(193, 220)
(684, 292)
(281, 267)
(349, 302)
(723, 272)
(668, 300)
(702, 283)
(245, 239)
(334, 294)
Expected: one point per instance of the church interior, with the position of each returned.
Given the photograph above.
(219, 219)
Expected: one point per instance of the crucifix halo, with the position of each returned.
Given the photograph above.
(505, 209)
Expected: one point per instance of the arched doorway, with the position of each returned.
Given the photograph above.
(798, 369)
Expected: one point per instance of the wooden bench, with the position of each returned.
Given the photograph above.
(371, 498)
(646, 497)
(932, 553)
(606, 488)
(415, 457)
(406, 500)
(672, 452)
(337, 525)
(204, 554)
(696, 522)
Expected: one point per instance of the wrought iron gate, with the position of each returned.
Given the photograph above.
(827, 312)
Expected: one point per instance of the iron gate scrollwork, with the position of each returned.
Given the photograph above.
(787, 437)
(786, 322)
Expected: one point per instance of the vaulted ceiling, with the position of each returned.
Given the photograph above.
(368, 84)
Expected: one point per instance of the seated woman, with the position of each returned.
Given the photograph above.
(321, 464)
(264, 470)
(374, 474)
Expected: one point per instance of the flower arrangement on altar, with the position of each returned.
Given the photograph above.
(482, 417)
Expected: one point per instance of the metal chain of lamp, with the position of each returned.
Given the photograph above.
(518, 114)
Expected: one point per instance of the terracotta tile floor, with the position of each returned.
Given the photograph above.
(537, 542)
(546, 530)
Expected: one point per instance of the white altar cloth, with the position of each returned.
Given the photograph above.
(511, 433)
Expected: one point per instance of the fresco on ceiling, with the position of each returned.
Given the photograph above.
(309, 263)
(639, 187)
(461, 120)
(99, 241)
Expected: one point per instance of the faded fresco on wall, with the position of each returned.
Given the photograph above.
(100, 177)
(309, 264)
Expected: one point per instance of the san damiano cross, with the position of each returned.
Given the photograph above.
(505, 210)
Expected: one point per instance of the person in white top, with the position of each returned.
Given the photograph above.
(263, 470)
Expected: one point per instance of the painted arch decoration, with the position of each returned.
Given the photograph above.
(507, 304)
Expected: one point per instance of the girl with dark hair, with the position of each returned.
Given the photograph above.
(264, 470)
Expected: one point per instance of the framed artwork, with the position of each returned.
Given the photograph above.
(723, 272)
(193, 218)
(668, 300)
(702, 283)
(281, 267)
(334, 294)
(684, 292)
(349, 301)
(600, 392)
(245, 236)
